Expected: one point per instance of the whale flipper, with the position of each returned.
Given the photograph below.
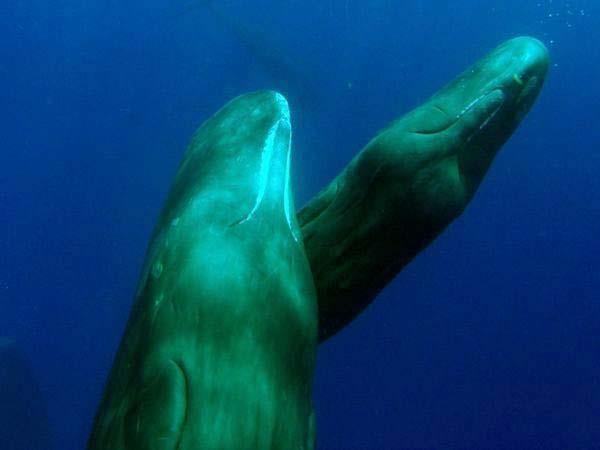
(413, 179)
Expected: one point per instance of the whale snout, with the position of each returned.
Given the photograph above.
(520, 65)
(501, 89)
(516, 69)
(527, 55)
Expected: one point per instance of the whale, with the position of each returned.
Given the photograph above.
(238, 289)
(413, 179)
(219, 349)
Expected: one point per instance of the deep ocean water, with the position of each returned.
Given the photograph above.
(489, 339)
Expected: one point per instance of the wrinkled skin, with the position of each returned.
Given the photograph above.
(219, 350)
(413, 179)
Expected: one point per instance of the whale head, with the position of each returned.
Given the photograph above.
(413, 179)
(438, 154)
(487, 102)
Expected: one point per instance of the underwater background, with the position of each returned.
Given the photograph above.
(489, 339)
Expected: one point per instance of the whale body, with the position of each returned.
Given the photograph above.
(220, 346)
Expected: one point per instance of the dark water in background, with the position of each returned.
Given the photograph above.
(490, 339)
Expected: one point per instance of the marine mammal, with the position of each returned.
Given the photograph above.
(219, 349)
(220, 346)
(413, 179)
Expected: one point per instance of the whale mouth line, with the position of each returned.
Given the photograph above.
(488, 119)
(477, 102)
(487, 114)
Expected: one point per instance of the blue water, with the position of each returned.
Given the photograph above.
(489, 339)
